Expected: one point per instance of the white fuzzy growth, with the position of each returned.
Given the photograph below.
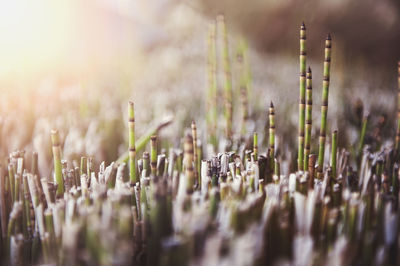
(300, 206)
(268, 208)
(390, 225)
(70, 210)
(58, 218)
(303, 250)
(310, 207)
(256, 171)
(181, 187)
(337, 254)
(40, 220)
(360, 216)
(70, 233)
(292, 183)
(204, 177)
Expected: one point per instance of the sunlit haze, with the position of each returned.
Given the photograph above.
(64, 35)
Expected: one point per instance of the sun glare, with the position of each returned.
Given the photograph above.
(33, 34)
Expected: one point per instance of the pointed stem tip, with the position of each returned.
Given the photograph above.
(329, 38)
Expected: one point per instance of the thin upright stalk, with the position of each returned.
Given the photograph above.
(255, 146)
(188, 162)
(302, 101)
(146, 163)
(307, 147)
(362, 135)
(195, 153)
(132, 150)
(324, 106)
(244, 83)
(245, 108)
(334, 152)
(153, 155)
(311, 169)
(212, 86)
(83, 166)
(55, 139)
(227, 76)
(272, 135)
(11, 177)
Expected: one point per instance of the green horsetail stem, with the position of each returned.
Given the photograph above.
(55, 139)
(255, 146)
(212, 86)
(11, 177)
(244, 82)
(272, 135)
(324, 106)
(27, 206)
(307, 146)
(17, 187)
(302, 101)
(132, 150)
(397, 141)
(153, 155)
(146, 163)
(83, 166)
(245, 108)
(188, 162)
(362, 136)
(90, 167)
(277, 168)
(195, 153)
(334, 152)
(228, 77)
(311, 169)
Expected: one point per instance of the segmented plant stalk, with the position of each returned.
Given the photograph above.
(272, 135)
(334, 152)
(11, 176)
(195, 153)
(311, 168)
(324, 106)
(212, 86)
(244, 83)
(55, 139)
(27, 205)
(146, 163)
(307, 147)
(228, 77)
(255, 146)
(397, 141)
(153, 155)
(188, 162)
(132, 150)
(362, 135)
(89, 167)
(302, 102)
(245, 108)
